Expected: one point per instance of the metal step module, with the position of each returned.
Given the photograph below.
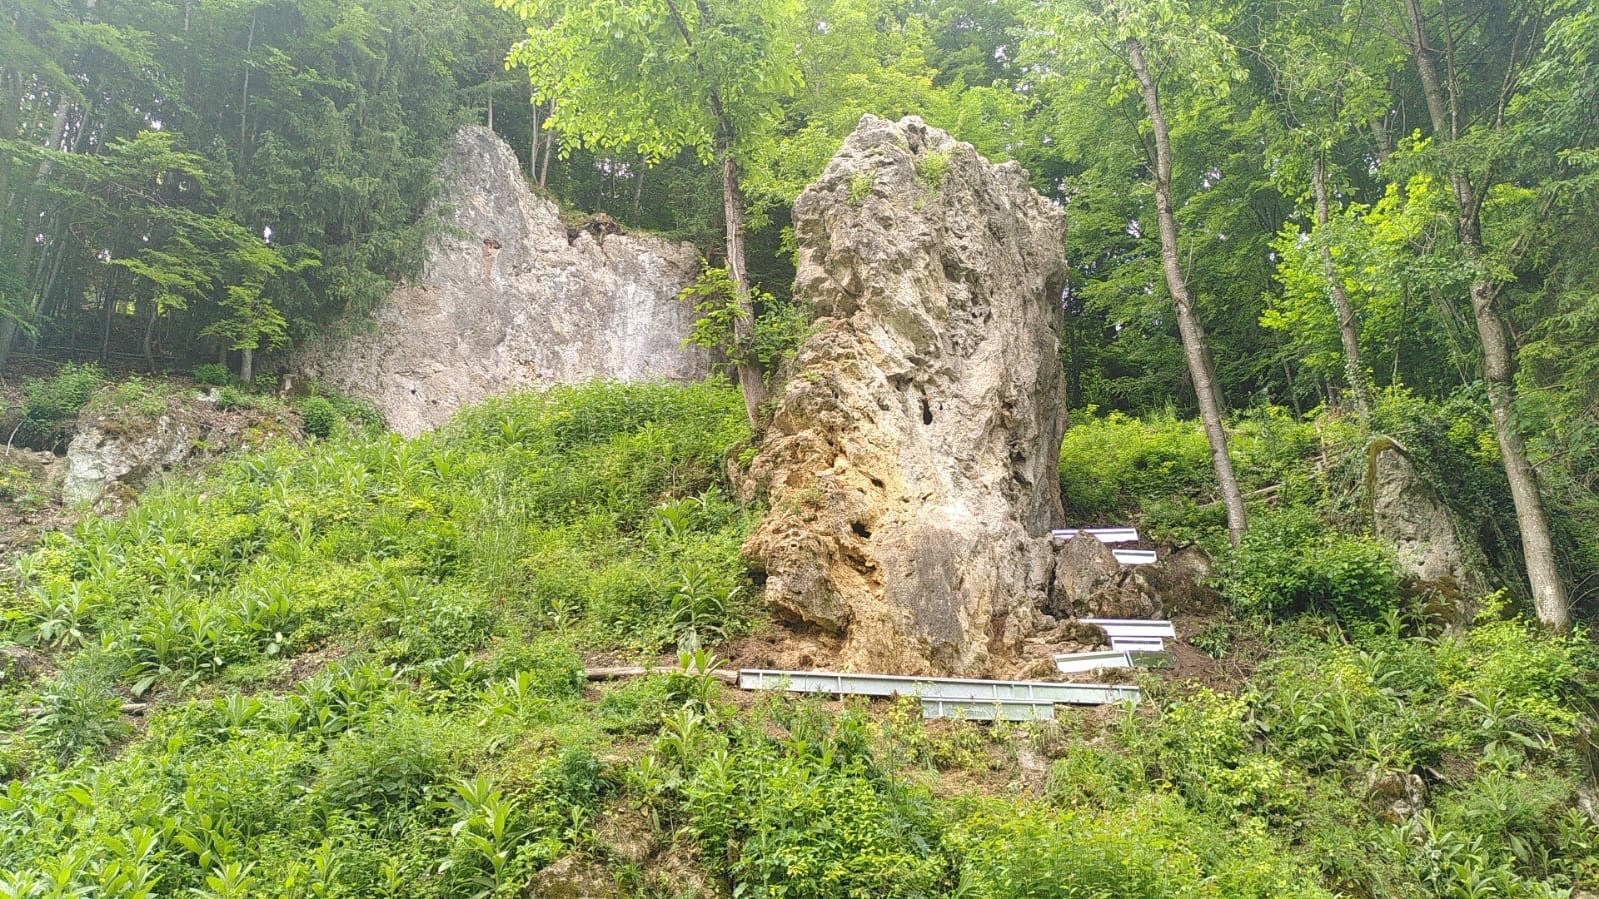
(945, 696)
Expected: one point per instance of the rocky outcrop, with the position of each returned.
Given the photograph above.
(1088, 582)
(99, 457)
(911, 462)
(510, 299)
(120, 447)
(1409, 514)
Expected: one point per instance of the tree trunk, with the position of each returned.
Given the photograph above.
(244, 108)
(1193, 336)
(1537, 546)
(549, 150)
(749, 368)
(147, 346)
(247, 366)
(28, 241)
(1347, 331)
(533, 145)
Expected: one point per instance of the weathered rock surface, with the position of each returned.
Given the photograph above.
(115, 452)
(507, 300)
(911, 464)
(1088, 582)
(98, 457)
(1409, 514)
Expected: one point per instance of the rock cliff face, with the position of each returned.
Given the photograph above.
(507, 300)
(911, 463)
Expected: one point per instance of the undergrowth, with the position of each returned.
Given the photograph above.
(356, 668)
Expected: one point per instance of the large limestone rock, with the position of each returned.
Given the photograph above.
(911, 463)
(119, 449)
(1409, 514)
(508, 300)
(100, 456)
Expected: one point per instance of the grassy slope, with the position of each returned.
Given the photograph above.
(364, 667)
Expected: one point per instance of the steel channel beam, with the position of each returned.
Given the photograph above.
(1135, 556)
(1104, 535)
(1077, 662)
(934, 687)
(976, 710)
(1123, 627)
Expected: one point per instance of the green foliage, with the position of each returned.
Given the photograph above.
(930, 169)
(860, 187)
(50, 401)
(1109, 466)
(79, 712)
(1154, 848)
(318, 414)
(780, 325)
(212, 374)
(1292, 561)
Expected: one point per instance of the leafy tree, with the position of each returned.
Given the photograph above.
(658, 78)
(1130, 48)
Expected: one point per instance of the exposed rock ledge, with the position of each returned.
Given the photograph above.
(911, 463)
(507, 300)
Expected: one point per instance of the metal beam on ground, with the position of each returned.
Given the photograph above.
(1132, 627)
(1079, 662)
(934, 687)
(1138, 644)
(1104, 535)
(977, 710)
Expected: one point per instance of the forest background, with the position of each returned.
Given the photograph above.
(1349, 196)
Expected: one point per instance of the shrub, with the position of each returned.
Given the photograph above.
(212, 374)
(318, 414)
(393, 763)
(79, 711)
(1290, 561)
(1111, 466)
(54, 399)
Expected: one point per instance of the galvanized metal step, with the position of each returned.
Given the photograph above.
(1079, 662)
(935, 687)
(1140, 657)
(1138, 644)
(978, 710)
(1132, 627)
(1135, 556)
(1104, 535)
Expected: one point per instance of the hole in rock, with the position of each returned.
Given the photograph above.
(927, 412)
(861, 530)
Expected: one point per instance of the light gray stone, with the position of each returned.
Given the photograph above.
(1410, 515)
(100, 456)
(507, 301)
(911, 463)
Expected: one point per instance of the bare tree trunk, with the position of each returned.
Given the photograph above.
(1537, 545)
(244, 108)
(247, 366)
(1347, 330)
(28, 240)
(544, 167)
(148, 344)
(749, 368)
(533, 146)
(1193, 336)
